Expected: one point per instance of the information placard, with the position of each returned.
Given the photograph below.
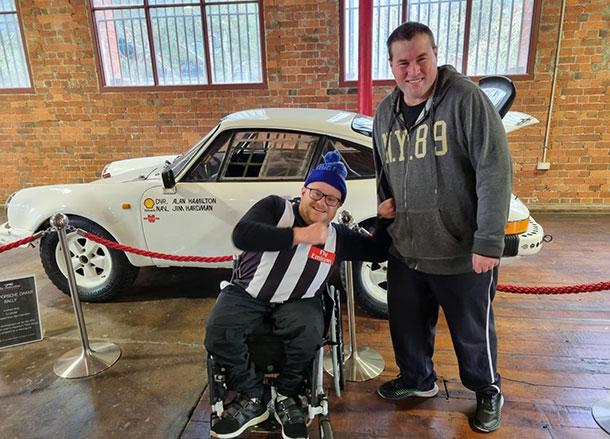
(19, 312)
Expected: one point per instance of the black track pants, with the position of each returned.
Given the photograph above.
(413, 303)
(236, 314)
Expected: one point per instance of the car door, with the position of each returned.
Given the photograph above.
(236, 170)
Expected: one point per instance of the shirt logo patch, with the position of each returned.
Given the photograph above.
(317, 254)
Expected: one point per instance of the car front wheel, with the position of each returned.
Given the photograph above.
(370, 287)
(101, 273)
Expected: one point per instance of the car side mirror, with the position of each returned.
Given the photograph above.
(169, 182)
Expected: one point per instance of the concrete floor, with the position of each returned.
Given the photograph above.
(150, 392)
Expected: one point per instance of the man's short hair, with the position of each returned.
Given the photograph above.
(406, 32)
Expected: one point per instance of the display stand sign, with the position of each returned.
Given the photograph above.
(19, 312)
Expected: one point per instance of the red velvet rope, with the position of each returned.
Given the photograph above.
(19, 243)
(126, 248)
(570, 289)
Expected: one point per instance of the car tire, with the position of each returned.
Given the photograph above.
(370, 287)
(101, 273)
(370, 283)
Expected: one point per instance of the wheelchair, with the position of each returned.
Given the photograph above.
(266, 351)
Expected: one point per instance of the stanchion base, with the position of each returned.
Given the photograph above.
(601, 414)
(80, 363)
(365, 365)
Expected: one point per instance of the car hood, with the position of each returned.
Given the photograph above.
(132, 169)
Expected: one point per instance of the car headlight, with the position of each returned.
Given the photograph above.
(8, 201)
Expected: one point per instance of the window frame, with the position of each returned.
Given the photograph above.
(531, 62)
(19, 90)
(315, 150)
(179, 87)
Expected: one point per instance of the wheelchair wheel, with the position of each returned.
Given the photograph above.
(213, 390)
(339, 338)
(216, 384)
(326, 430)
(312, 390)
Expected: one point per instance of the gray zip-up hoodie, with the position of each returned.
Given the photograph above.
(450, 176)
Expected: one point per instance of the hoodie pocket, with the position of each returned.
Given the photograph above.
(431, 238)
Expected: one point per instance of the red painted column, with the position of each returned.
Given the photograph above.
(365, 57)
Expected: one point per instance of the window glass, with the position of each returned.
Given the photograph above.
(267, 155)
(13, 65)
(100, 3)
(178, 42)
(235, 49)
(181, 161)
(499, 34)
(179, 52)
(500, 37)
(208, 165)
(123, 42)
(357, 159)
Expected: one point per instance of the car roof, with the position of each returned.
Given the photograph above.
(336, 123)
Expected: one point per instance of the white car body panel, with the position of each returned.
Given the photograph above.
(515, 120)
(209, 211)
(204, 230)
(123, 166)
(103, 207)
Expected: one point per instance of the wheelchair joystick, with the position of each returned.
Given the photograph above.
(361, 363)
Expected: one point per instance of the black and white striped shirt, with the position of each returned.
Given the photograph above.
(272, 269)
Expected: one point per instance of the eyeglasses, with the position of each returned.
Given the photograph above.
(331, 201)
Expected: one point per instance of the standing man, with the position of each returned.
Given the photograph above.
(290, 251)
(442, 155)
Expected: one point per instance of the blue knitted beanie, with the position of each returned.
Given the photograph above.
(332, 172)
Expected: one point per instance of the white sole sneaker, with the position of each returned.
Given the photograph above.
(407, 393)
(427, 393)
(251, 423)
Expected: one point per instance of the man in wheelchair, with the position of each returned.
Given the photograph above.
(290, 249)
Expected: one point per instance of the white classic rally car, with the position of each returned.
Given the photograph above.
(189, 204)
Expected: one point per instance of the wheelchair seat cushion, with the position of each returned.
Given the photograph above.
(266, 349)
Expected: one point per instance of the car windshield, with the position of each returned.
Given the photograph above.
(180, 162)
(363, 124)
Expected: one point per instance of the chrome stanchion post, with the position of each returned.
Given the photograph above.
(361, 363)
(601, 414)
(89, 359)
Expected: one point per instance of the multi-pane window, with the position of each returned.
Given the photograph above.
(14, 72)
(274, 155)
(495, 35)
(178, 42)
(269, 155)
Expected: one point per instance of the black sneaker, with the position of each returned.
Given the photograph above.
(395, 390)
(239, 414)
(291, 416)
(488, 416)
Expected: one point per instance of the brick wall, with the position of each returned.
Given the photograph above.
(579, 136)
(68, 130)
